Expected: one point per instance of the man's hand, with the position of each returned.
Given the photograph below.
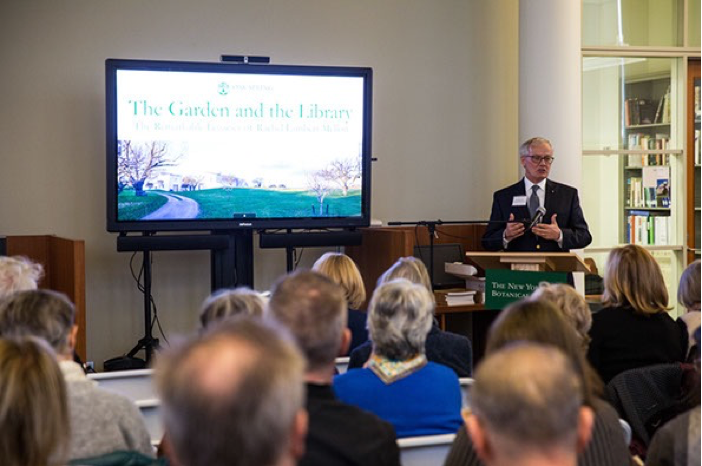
(513, 229)
(548, 231)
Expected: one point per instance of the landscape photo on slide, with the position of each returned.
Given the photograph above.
(193, 179)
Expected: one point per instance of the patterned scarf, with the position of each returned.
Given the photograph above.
(389, 370)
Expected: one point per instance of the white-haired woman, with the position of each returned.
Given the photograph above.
(398, 383)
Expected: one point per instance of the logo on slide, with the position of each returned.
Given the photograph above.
(223, 89)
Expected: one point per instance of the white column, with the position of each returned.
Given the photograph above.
(550, 77)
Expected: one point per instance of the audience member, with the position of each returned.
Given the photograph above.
(101, 421)
(18, 273)
(33, 409)
(398, 383)
(571, 304)
(633, 329)
(234, 396)
(314, 309)
(526, 408)
(451, 350)
(342, 270)
(227, 302)
(677, 443)
(540, 322)
(689, 296)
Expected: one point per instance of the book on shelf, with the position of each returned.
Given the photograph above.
(647, 228)
(460, 298)
(697, 147)
(639, 111)
(665, 116)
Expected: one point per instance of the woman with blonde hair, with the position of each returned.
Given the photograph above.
(450, 349)
(34, 418)
(342, 270)
(633, 329)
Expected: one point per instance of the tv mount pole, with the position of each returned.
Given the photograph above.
(148, 343)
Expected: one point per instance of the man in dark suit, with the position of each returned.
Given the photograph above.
(566, 228)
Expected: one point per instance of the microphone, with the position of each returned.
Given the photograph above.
(537, 218)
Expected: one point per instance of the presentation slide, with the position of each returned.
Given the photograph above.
(198, 145)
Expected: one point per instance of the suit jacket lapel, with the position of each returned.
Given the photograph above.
(551, 198)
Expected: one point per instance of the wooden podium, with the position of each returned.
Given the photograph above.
(64, 270)
(529, 261)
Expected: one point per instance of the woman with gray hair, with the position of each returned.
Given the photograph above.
(398, 384)
(450, 349)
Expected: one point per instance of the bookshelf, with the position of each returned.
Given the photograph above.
(634, 186)
(694, 145)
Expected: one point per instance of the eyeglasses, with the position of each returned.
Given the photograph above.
(537, 159)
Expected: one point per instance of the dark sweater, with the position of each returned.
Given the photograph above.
(449, 349)
(357, 325)
(606, 447)
(341, 434)
(623, 339)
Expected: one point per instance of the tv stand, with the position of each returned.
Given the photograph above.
(293, 239)
(231, 260)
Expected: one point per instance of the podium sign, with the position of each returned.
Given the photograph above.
(503, 287)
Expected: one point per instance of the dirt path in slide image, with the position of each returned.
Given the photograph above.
(177, 207)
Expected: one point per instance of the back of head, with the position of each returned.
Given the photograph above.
(540, 322)
(409, 268)
(18, 273)
(689, 289)
(527, 397)
(571, 304)
(233, 395)
(314, 309)
(400, 316)
(34, 419)
(42, 313)
(342, 270)
(226, 303)
(633, 278)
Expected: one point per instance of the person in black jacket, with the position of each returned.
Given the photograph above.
(634, 329)
(451, 350)
(563, 227)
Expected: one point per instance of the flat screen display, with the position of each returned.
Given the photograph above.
(208, 146)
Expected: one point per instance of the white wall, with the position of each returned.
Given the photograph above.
(445, 119)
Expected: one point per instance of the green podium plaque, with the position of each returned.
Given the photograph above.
(503, 287)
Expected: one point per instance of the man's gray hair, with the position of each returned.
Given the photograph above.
(226, 302)
(400, 316)
(41, 313)
(529, 396)
(315, 310)
(231, 395)
(525, 148)
(18, 273)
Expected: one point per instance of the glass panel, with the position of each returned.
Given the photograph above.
(633, 22)
(629, 103)
(693, 23)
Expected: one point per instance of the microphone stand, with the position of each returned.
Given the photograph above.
(431, 229)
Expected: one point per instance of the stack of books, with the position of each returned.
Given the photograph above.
(460, 298)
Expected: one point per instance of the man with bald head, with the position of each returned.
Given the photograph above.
(235, 396)
(526, 408)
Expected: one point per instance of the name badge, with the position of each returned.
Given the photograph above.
(519, 201)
